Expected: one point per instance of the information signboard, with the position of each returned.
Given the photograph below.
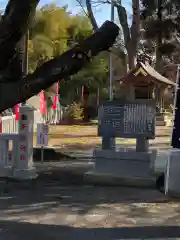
(42, 134)
(127, 119)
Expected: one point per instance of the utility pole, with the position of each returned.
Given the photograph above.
(24, 49)
(112, 141)
(110, 59)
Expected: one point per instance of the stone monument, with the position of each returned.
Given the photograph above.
(126, 119)
(23, 167)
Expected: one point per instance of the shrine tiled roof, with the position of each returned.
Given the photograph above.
(146, 70)
(153, 73)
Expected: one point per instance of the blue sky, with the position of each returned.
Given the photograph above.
(102, 12)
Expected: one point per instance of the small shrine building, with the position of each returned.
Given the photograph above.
(144, 82)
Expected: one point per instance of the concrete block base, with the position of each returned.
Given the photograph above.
(5, 171)
(25, 173)
(160, 162)
(172, 173)
(127, 164)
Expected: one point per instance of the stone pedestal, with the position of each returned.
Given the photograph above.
(23, 167)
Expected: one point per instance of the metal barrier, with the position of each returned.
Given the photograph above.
(10, 125)
(7, 162)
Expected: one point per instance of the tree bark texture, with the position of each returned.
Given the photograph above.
(14, 87)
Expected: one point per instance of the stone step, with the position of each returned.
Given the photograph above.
(159, 118)
(160, 123)
(163, 131)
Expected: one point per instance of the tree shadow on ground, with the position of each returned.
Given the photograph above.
(11, 230)
(48, 196)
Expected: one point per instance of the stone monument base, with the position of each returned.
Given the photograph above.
(124, 164)
(25, 174)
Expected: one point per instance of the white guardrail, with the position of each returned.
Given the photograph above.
(10, 125)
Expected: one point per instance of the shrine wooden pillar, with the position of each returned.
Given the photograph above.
(131, 92)
(162, 99)
(158, 98)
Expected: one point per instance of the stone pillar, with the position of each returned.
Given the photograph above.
(108, 143)
(142, 144)
(161, 104)
(24, 168)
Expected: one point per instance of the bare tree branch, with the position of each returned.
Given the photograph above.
(82, 7)
(91, 15)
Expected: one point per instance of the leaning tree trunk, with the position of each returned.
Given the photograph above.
(131, 35)
(158, 64)
(116, 49)
(135, 34)
(14, 87)
(91, 15)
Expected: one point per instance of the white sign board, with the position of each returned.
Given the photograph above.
(42, 134)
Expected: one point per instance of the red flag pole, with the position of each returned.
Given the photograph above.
(57, 99)
(82, 95)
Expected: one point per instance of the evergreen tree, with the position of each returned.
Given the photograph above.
(160, 20)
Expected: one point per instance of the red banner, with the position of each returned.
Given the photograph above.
(17, 111)
(43, 107)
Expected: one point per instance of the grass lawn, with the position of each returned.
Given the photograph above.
(84, 136)
(77, 137)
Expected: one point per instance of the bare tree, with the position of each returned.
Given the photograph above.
(131, 33)
(14, 87)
